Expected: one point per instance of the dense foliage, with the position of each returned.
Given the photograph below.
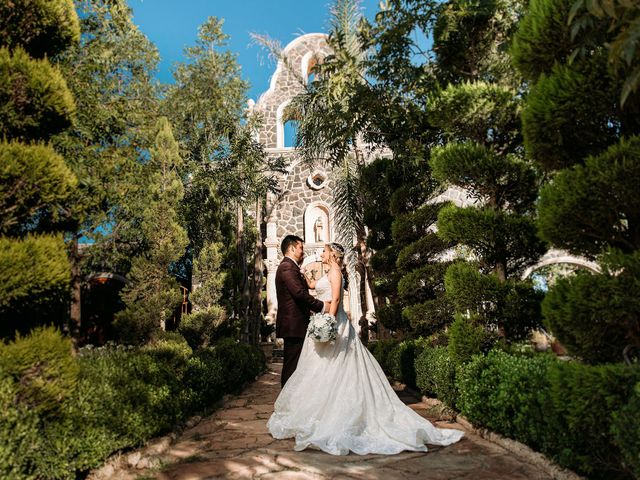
(153, 294)
(530, 108)
(35, 103)
(408, 277)
(574, 406)
(103, 206)
(576, 129)
(70, 415)
(581, 416)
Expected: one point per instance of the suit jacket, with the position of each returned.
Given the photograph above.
(294, 301)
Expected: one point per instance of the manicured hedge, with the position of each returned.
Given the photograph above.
(435, 374)
(508, 394)
(584, 417)
(381, 350)
(402, 360)
(63, 417)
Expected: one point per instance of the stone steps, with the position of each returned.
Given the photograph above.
(277, 356)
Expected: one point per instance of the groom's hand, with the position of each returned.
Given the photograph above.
(327, 306)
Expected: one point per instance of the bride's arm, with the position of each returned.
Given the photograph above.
(335, 277)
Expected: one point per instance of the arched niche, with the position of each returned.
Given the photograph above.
(317, 224)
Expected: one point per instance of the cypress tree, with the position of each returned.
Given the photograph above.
(484, 158)
(576, 129)
(36, 184)
(153, 294)
(409, 276)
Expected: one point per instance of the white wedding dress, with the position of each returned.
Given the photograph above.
(339, 400)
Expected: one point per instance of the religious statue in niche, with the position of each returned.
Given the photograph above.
(317, 228)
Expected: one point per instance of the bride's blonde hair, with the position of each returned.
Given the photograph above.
(338, 253)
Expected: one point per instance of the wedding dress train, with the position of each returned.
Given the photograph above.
(339, 400)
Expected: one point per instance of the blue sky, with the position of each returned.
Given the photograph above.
(173, 24)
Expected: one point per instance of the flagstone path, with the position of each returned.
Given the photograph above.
(234, 443)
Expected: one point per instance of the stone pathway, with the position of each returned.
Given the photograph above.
(234, 443)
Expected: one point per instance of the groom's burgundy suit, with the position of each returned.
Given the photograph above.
(295, 304)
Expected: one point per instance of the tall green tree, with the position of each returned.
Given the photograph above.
(476, 112)
(36, 184)
(224, 166)
(110, 72)
(153, 294)
(206, 103)
(209, 318)
(577, 129)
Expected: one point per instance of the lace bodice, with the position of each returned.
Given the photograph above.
(323, 292)
(323, 289)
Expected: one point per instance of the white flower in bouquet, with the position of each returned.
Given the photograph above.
(322, 327)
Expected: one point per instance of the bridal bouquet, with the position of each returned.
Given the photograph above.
(322, 327)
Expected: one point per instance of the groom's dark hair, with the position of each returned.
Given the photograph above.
(288, 241)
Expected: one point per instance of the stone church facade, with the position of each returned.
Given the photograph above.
(303, 206)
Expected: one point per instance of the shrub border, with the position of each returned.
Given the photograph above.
(518, 449)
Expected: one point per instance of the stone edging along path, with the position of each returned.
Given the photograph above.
(233, 442)
(518, 449)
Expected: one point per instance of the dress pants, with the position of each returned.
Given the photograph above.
(291, 354)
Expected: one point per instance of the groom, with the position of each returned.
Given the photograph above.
(294, 304)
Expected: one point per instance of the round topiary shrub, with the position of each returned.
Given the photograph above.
(202, 328)
(594, 316)
(35, 286)
(39, 26)
(467, 338)
(36, 100)
(43, 367)
(32, 178)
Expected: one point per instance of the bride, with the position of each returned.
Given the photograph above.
(338, 399)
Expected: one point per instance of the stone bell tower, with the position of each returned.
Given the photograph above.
(303, 206)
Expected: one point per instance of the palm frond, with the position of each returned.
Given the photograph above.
(345, 15)
(347, 207)
(275, 53)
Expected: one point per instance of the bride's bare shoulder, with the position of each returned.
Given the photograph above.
(334, 275)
